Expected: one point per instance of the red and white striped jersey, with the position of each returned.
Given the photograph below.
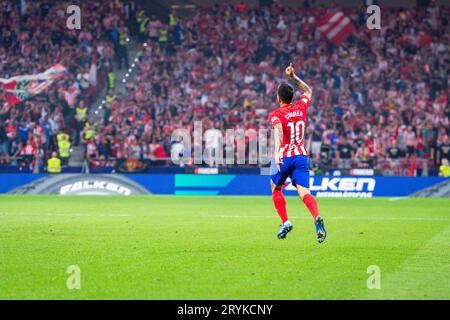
(293, 119)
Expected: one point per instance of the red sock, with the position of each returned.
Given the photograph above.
(280, 204)
(311, 203)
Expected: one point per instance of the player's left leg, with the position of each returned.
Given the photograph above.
(311, 203)
(300, 178)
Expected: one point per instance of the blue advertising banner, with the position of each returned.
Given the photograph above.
(223, 184)
(337, 187)
(10, 181)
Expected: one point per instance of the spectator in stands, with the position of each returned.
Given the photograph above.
(444, 149)
(91, 150)
(394, 152)
(80, 117)
(326, 153)
(362, 156)
(30, 151)
(345, 153)
(444, 169)
(64, 148)
(54, 164)
(89, 131)
(177, 152)
(122, 51)
(410, 140)
(15, 149)
(157, 152)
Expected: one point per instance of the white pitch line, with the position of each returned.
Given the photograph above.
(339, 218)
(66, 214)
(398, 198)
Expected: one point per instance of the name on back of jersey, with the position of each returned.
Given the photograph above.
(296, 113)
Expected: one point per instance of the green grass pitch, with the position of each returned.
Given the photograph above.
(166, 247)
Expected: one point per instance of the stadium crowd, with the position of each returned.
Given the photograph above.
(381, 97)
(33, 37)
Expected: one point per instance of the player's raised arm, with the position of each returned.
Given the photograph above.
(303, 86)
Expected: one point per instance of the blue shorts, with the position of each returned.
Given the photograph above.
(295, 168)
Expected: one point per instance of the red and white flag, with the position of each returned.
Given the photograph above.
(21, 88)
(335, 27)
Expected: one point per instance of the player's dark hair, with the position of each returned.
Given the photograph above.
(285, 92)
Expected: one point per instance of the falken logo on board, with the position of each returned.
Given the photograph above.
(337, 187)
(94, 187)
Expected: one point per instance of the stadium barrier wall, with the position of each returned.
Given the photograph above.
(211, 184)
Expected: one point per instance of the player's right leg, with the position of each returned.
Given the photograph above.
(277, 180)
